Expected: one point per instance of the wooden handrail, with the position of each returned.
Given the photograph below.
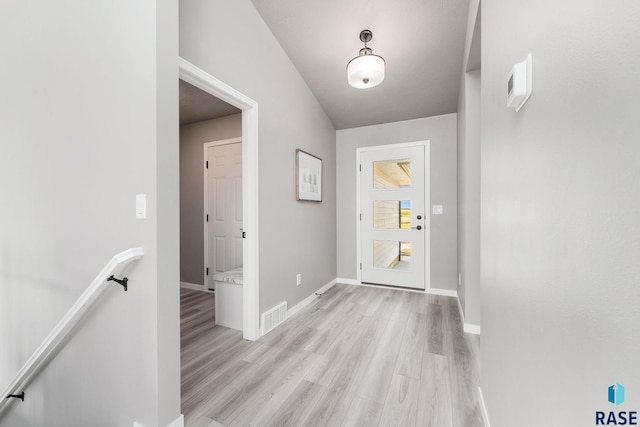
(54, 341)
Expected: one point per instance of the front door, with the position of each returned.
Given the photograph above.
(393, 223)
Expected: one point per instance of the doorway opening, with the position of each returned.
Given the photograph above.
(248, 200)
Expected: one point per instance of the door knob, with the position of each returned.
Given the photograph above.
(419, 217)
(417, 228)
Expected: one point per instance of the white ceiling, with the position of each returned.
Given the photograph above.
(422, 42)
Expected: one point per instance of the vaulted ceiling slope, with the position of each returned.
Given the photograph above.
(422, 42)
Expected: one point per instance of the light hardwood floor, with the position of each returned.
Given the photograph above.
(356, 356)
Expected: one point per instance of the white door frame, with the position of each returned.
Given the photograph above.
(206, 146)
(427, 215)
(250, 187)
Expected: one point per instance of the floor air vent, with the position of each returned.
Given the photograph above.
(274, 317)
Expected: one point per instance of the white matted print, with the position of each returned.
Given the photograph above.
(308, 177)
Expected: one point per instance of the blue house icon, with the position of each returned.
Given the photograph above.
(616, 394)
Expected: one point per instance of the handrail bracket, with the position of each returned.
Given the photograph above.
(122, 281)
(17, 396)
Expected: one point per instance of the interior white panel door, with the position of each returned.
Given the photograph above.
(224, 183)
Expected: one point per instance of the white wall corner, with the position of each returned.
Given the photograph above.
(483, 408)
(348, 281)
(443, 292)
(308, 300)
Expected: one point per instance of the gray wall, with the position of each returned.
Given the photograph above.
(560, 212)
(192, 139)
(89, 120)
(469, 173)
(230, 41)
(441, 131)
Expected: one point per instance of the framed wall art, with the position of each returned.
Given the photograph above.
(308, 177)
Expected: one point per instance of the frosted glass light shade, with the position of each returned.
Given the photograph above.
(365, 71)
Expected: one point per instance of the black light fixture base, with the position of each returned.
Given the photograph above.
(366, 36)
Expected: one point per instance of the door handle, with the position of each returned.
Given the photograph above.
(417, 228)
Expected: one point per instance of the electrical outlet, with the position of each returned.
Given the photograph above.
(299, 279)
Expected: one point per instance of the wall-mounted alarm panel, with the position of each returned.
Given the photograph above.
(519, 84)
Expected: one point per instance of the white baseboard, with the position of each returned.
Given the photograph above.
(470, 328)
(193, 286)
(308, 300)
(443, 292)
(373, 285)
(178, 422)
(348, 281)
(483, 408)
(433, 291)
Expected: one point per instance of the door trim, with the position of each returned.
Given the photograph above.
(206, 146)
(250, 188)
(427, 201)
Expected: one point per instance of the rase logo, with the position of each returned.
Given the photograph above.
(615, 395)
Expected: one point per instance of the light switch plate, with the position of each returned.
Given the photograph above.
(141, 206)
(437, 209)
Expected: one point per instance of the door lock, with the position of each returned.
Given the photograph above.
(419, 216)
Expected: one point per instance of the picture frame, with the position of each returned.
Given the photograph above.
(308, 177)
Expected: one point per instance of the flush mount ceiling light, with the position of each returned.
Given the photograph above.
(365, 70)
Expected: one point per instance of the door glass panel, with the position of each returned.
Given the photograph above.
(405, 214)
(392, 255)
(392, 174)
(392, 214)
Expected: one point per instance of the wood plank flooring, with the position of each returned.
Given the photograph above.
(356, 356)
